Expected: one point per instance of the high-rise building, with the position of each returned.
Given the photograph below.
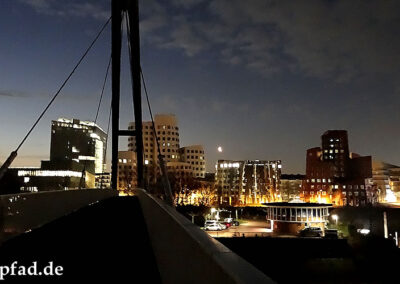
(181, 171)
(80, 141)
(291, 186)
(103, 180)
(194, 155)
(127, 178)
(77, 152)
(166, 126)
(187, 161)
(386, 178)
(248, 182)
(334, 175)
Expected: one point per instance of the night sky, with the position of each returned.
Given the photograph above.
(263, 79)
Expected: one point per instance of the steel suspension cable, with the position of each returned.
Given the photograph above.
(13, 154)
(167, 185)
(64, 83)
(97, 115)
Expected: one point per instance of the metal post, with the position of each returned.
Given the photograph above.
(385, 226)
(132, 10)
(133, 17)
(116, 13)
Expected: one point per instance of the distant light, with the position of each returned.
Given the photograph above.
(213, 210)
(335, 217)
(363, 231)
(219, 149)
(146, 162)
(390, 196)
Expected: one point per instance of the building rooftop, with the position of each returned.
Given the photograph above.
(297, 204)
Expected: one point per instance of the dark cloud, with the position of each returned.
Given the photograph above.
(75, 8)
(11, 93)
(337, 40)
(326, 39)
(186, 3)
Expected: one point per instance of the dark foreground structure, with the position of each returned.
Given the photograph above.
(137, 239)
(105, 241)
(313, 260)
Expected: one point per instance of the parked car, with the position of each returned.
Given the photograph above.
(311, 232)
(212, 225)
(223, 225)
(331, 234)
(232, 221)
(227, 224)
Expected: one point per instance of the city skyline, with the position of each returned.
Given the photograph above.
(252, 86)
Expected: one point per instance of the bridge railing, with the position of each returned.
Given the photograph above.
(184, 253)
(25, 211)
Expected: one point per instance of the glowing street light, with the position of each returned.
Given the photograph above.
(219, 149)
(336, 218)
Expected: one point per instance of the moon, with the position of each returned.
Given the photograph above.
(219, 149)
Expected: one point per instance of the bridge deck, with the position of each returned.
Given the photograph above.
(103, 241)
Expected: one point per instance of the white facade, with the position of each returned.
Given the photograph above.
(194, 155)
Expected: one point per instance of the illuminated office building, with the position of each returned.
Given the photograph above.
(80, 141)
(248, 182)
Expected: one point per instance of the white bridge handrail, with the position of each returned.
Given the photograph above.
(184, 253)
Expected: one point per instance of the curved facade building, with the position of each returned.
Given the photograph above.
(194, 155)
(288, 217)
(168, 135)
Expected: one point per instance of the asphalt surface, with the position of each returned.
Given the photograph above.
(248, 228)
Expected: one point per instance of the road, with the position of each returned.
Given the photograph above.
(248, 228)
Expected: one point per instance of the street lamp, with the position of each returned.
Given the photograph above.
(336, 218)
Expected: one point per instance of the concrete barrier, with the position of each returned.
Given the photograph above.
(184, 253)
(25, 211)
